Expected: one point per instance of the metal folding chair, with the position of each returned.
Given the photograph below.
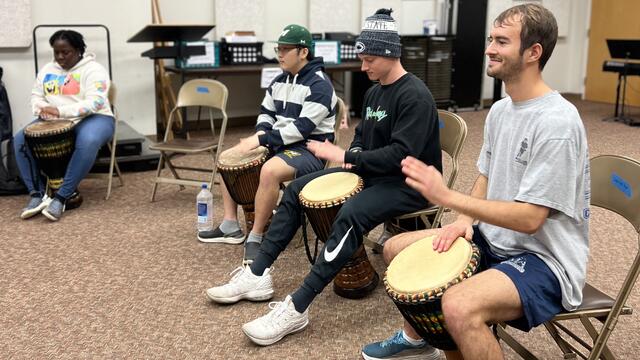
(198, 92)
(615, 186)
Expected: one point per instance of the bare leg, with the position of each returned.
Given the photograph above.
(230, 207)
(273, 173)
(468, 307)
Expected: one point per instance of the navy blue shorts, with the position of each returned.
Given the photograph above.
(538, 287)
(300, 158)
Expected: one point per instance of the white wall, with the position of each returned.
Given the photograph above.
(134, 74)
(566, 68)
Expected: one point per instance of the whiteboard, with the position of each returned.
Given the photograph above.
(15, 17)
(234, 15)
(334, 16)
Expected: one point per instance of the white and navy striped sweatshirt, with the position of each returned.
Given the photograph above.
(298, 107)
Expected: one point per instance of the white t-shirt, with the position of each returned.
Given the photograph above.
(536, 152)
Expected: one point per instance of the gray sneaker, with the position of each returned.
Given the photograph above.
(54, 210)
(35, 206)
(217, 236)
(251, 249)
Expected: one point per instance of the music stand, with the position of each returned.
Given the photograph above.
(627, 50)
(178, 34)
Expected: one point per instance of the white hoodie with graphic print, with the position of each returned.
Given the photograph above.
(77, 93)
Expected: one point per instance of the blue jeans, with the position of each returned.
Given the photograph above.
(91, 134)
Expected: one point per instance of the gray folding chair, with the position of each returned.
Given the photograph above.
(615, 186)
(198, 92)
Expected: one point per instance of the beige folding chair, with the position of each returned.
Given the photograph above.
(453, 132)
(198, 92)
(113, 164)
(615, 186)
(340, 112)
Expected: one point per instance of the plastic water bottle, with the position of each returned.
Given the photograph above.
(204, 205)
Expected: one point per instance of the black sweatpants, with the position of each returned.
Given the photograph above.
(381, 199)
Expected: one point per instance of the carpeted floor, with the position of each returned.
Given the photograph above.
(125, 278)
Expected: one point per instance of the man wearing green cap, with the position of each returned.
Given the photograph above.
(298, 106)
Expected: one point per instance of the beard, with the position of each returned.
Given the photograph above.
(508, 69)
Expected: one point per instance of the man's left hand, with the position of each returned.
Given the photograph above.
(326, 151)
(249, 143)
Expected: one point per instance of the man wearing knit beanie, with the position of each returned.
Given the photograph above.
(399, 119)
(379, 36)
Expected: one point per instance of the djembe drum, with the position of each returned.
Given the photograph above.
(241, 175)
(321, 199)
(52, 144)
(417, 278)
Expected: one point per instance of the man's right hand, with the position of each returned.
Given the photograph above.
(449, 233)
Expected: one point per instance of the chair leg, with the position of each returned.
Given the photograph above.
(605, 353)
(213, 173)
(513, 343)
(111, 164)
(155, 181)
(560, 341)
(173, 170)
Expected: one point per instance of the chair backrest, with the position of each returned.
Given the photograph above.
(615, 185)
(203, 92)
(453, 132)
(341, 111)
(111, 94)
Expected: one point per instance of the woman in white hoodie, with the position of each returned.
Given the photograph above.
(71, 87)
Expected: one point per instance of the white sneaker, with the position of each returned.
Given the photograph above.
(282, 320)
(243, 285)
(35, 206)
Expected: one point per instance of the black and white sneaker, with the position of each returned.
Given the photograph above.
(217, 236)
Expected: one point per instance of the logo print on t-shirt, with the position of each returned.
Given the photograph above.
(523, 149)
(518, 263)
(376, 114)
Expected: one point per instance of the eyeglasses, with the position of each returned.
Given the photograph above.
(283, 50)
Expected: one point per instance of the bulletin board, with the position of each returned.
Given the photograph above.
(15, 17)
(334, 16)
(239, 15)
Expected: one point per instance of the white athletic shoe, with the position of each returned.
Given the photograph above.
(243, 285)
(282, 320)
(35, 206)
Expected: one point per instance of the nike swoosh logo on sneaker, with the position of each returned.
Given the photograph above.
(329, 256)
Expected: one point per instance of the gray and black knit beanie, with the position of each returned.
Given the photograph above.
(379, 36)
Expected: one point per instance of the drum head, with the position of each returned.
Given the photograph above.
(231, 158)
(48, 127)
(330, 187)
(418, 268)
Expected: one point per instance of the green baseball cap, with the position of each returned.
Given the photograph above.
(295, 35)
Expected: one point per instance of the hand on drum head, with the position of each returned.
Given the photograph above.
(49, 113)
(425, 179)
(249, 143)
(326, 151)
(450, 232)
